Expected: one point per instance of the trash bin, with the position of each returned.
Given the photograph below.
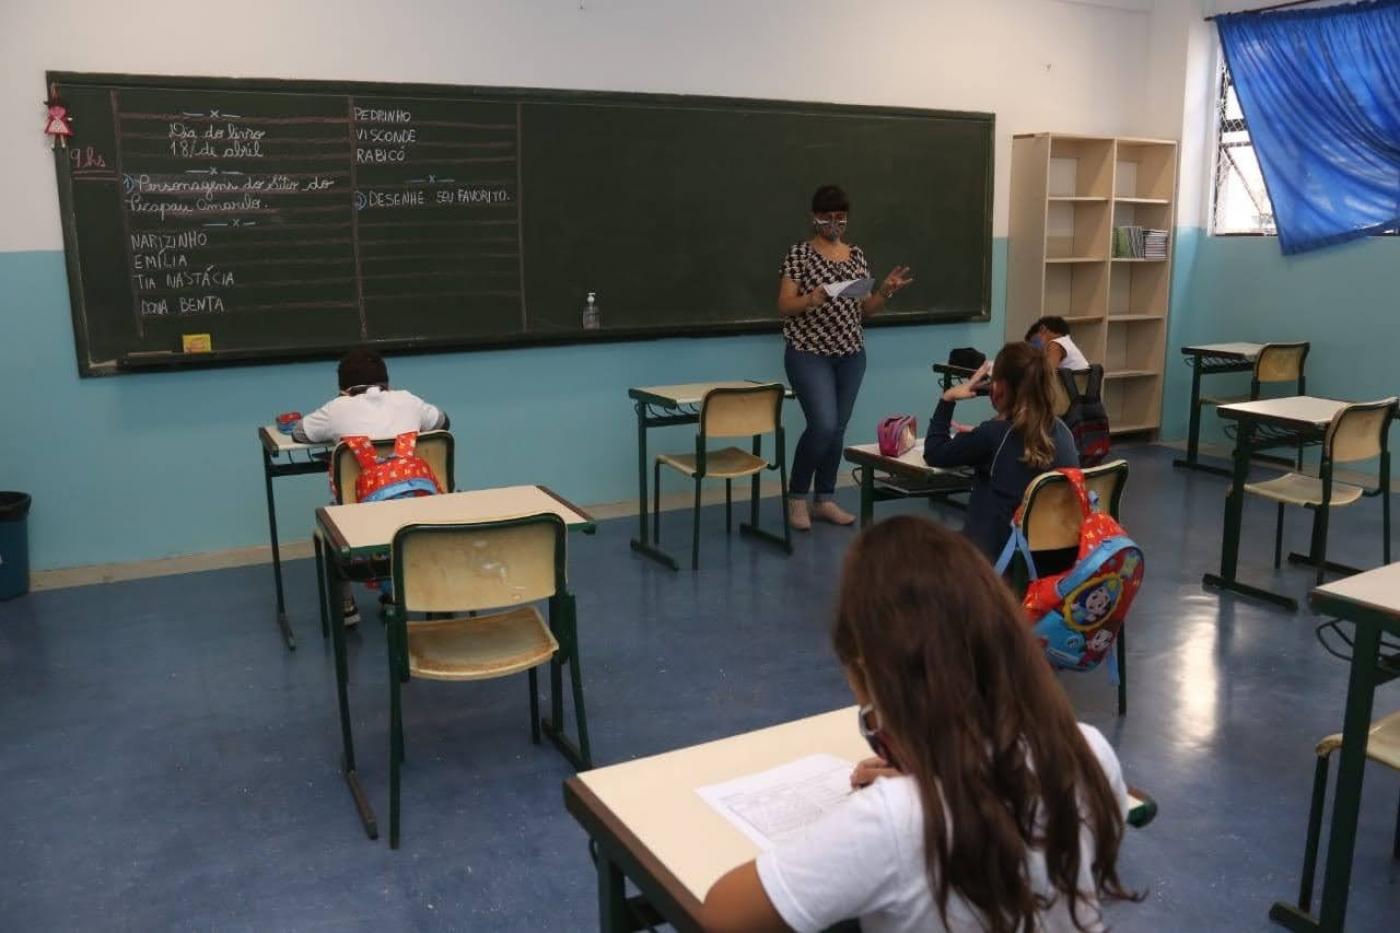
(14, 544)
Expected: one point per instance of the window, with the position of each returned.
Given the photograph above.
(1241, 205)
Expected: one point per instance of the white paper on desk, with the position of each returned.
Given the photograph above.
(771, 805)
(851, 288)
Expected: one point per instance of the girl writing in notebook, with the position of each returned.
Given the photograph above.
(987, 807)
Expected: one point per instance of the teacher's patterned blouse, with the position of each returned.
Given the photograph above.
(834, 327)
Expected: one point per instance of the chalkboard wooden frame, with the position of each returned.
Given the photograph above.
(270, 355)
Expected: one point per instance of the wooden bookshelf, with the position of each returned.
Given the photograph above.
(1068, 192)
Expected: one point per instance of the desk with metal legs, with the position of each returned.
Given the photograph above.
(1371, 602)
(364, 531)
(663, 406)
(282, 456)
(1211, 359)
(1294, 421)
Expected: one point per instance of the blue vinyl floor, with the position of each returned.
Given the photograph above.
(166, 764)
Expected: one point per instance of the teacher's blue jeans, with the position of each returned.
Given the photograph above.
(826, 388)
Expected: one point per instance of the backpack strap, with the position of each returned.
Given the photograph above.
(1066, 377)
(363, 449)
(405, 444)
(1015, 542)
(1094, 388)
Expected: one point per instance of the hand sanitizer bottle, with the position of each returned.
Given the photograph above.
(591, 318)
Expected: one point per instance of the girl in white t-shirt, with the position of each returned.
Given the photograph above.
(987, 807)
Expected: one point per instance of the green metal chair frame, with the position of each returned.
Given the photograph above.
(1325, 748)
(701, 452)
(563, 623)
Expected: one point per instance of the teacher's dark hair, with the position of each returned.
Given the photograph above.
(829, 198)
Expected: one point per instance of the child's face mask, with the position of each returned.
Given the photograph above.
(1038, 342)
(829, 226)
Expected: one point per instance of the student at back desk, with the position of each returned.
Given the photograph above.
(366, 406)
(1051, 334)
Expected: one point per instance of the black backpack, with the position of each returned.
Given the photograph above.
(1087, 418)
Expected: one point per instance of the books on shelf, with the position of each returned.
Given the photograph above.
(1134, 242)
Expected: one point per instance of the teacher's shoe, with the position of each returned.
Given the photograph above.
(828, 511)
(798, 515)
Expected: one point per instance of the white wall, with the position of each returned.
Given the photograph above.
(1038, 64)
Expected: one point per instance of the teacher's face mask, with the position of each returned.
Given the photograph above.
(831, 226)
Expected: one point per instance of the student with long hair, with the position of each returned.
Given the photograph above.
(1024, 440)
(988, 808)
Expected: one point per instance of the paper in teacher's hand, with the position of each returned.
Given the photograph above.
(851, 288)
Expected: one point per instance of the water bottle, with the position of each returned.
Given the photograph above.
(591, 318)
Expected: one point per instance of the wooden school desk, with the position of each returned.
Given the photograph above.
(661, 406)
(1371, 602)
(650, 827)
(1267, 423)
(1209, 359)
(363, 531)
(282, 456)
(908, 476)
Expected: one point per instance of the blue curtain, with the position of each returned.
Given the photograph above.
(1320, 91)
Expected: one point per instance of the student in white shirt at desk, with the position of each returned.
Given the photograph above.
(366, 406)
(974, 736)
(1051, 334)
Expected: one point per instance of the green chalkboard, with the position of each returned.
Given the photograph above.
(294, 219)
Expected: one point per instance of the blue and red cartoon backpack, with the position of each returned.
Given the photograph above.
(399, 475)
(1077, 615)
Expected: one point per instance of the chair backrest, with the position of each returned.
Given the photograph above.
(1050, 512)
(1058, 394)
(479, 565)
(741, 411)
(1358, 432)
(435, 447)
(1280, 362)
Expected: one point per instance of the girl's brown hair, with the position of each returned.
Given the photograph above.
(935, 639)
(1030, 405)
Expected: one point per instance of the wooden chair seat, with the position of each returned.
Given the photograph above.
(1304, 490)
(728, 463)
(1382, 743)
(480, 647)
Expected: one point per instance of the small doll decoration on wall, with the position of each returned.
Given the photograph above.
(58, 126)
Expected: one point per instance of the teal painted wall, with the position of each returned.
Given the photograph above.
(160, 464)
(1344, 300)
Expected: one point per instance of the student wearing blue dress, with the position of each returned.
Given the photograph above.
(1006, 452)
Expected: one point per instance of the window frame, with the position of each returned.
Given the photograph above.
(1219, 147)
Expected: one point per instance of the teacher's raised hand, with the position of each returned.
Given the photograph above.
(898, 278)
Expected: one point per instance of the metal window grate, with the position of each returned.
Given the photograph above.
(1241, 203)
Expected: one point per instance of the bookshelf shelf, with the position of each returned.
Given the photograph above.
(1068, 193)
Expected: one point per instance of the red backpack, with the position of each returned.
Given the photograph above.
(1076, 615)
(399, 475)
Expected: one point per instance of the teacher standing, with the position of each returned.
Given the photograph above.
(825, 355)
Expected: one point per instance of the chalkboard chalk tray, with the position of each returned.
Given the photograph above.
(295, 219)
